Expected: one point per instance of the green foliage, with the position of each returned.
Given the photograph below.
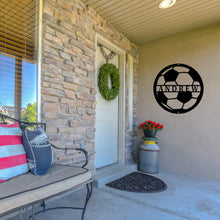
(109, 70)
(30, 114)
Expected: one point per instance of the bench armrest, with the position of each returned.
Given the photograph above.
(24, 124)
(77, 149)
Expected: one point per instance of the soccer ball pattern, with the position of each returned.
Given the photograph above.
(178, 88)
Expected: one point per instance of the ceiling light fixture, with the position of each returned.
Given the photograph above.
(167, 4)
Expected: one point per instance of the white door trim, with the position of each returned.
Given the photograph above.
(121, 103)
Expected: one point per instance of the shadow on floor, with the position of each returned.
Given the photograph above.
(185, 198)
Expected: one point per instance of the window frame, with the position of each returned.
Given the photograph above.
(19, 58)
(39, 56)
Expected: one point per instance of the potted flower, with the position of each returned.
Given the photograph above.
(150, 128)
(149, 151)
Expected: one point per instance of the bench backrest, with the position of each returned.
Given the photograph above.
(5, 119)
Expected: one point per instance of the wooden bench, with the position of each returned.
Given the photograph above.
(27, 190)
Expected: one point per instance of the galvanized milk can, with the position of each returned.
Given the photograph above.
(149, 155)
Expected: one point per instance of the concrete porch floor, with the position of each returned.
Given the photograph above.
(185, 198)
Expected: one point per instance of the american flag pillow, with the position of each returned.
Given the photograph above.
(13, 160)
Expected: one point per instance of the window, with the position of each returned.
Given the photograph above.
(18, 58)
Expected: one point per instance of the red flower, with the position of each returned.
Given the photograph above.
(150, 125)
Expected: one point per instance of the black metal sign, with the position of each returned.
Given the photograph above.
(178, 88)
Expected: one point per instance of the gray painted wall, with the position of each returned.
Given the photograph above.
(190, 142)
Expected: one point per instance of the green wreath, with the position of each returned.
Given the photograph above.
(108, 70)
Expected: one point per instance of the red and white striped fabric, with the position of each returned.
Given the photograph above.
(13, 160)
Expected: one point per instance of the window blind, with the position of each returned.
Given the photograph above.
(17, 28)
(18, 55)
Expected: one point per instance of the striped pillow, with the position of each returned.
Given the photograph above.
(13, 161)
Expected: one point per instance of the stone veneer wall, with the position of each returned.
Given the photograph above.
(68, 75)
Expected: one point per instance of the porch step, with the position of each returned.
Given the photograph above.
(111, 173)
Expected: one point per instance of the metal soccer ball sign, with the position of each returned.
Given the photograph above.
(178, 88)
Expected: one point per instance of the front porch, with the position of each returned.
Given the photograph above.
(65, 66)
(185, 198)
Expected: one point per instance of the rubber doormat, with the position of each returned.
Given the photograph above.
(138, 182)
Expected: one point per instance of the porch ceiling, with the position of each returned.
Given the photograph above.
(143, 21)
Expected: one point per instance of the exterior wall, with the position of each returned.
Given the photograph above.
(68, 74)
(189, 142)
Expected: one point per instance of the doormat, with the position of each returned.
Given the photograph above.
(138, 182)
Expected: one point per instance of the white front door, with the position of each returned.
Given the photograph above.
(106, 141)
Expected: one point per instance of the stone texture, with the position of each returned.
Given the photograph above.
(68, 77)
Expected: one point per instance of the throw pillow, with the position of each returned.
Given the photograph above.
(38, 150)
(13, 161)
